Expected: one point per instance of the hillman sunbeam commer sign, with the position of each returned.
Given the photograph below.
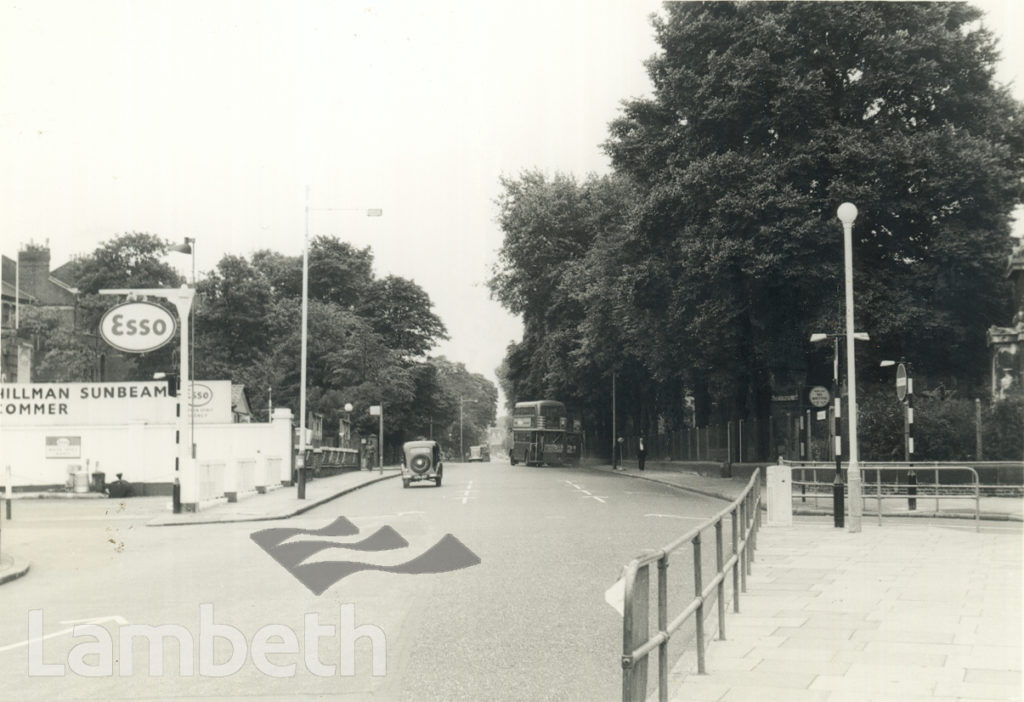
(125, 403)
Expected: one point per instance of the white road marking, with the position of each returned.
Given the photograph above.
(587, 493)
(676, 516)
(385, 516)
(465, 495)
(616, 596)
(95, 620)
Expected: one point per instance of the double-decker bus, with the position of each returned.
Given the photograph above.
(540, 435)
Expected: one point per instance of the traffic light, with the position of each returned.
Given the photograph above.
(172, 382)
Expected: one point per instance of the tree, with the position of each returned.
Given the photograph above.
(62, 354)
(559, 267)
(339, 272)
(400, 311)
(132, 260)
(465, 397)
(765, 117)
(231, 317)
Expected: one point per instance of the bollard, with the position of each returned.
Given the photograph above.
(837, 500)
(911, 490)
(176, 497)
(8, 494)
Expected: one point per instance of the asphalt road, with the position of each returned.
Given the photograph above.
(529, 621)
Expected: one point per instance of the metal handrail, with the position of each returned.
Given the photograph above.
(636, 643)
(879, 466)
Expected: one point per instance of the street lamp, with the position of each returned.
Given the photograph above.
(847, 213)
(189, 247)
(301, 478)
(838, 508)
(462, 450)
(348, 425)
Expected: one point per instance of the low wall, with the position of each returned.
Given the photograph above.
(144, 453)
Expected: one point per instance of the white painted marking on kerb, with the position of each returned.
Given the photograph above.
(616, 596)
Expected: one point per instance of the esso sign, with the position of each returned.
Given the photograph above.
(137, 327)
(201, 394)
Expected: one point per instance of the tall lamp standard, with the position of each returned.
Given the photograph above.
(837, 416)
(462, 449)
(301, 478)
(847, 213)
(189, 247)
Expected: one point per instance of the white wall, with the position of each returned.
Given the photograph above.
(144, 453)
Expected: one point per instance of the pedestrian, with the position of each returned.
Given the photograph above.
(617, 455)
(641, 454)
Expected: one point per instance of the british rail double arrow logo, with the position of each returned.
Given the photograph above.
(446, 555)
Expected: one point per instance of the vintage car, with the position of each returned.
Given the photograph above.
(479, 453)
(421, 460)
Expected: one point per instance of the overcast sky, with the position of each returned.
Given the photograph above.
(209, 118)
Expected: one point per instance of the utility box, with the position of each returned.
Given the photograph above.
(780, 496)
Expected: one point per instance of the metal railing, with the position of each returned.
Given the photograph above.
(637, 644)
(936, 490)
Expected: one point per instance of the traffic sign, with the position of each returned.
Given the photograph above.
(901, 382)
(819, 396)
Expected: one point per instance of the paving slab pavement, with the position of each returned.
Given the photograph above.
(903, 612)
(908, 611)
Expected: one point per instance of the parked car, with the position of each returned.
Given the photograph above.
(421, 460)
(479, 453)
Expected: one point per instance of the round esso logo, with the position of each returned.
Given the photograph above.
(201, 395)
(137, 327)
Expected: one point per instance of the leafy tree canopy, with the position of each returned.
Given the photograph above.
(727, 253)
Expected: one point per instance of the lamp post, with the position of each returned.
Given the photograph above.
(301, 478)
(348, 425)
(462, 449)
(838, 508)
(847, 213)
(189, 247)
(615, 457)
(905, 392)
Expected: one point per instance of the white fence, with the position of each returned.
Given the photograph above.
(210, 475)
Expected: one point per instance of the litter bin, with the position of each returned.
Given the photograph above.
(81, 481)
(99, 482)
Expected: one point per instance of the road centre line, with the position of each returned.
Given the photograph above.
(465, 495)
(587, 493)
(676, 516)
